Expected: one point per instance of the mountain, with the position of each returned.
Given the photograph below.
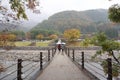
(87, 21)
(24, 26)
(10, 27)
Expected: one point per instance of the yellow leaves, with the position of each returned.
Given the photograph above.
(72, 34)
(39, 36)
(11, 37)
(7, 37)
(7, 40)
(53, 36)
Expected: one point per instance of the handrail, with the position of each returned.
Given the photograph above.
(29, 65)
(87, 63)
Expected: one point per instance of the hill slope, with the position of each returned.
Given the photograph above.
(87, 21)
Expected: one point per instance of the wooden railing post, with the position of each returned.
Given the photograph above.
(68, 52)
(65, 49)
(41, 65)
(109, 61)
(55, 51)
(82, 60)
(52, 52)
(19, 69)
(48, 55)
(73, 55)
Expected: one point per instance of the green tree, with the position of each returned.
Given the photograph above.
(114, 13)
(111, 33)
(108, 46)
(35, 32)
(19, 34)
(85, 42)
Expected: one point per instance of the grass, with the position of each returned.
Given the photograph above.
(72, 43)
(77, 44)
(20, 43)
(43, 43)
(27, 43)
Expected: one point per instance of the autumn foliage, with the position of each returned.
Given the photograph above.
(39, 36)
(53, 36)
(72, 34)
(7, 40)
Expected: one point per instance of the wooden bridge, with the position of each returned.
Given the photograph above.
(62, 68)
(49, 64)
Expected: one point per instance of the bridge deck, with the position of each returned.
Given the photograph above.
(61, 68)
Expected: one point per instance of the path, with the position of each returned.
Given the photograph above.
(62, 68)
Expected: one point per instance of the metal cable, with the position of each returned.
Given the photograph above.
(96, 72)
(95, 66)
(31, 72)
(29, 68)
(8, 74)
(11, 65)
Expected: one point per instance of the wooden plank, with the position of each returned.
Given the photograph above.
(61, 68)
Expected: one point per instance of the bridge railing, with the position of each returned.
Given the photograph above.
(28, 69)
(84, 60)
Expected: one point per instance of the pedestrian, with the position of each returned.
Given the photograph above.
(62, 47)
(59, 47)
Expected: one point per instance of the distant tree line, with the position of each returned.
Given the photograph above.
(45, 33)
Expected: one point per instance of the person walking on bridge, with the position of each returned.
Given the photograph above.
(62, 47)
(59, 47)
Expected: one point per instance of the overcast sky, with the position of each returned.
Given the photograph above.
(53, 6)
(50, 7)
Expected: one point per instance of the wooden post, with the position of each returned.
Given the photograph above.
(55, 51)
(109, 61)
(48, 55)
(82, 60)
(73, 55)
(19, 69)
(41, 65)
(52, 52)
(68, 52)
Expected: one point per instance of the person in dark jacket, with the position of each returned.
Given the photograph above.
(59, 47)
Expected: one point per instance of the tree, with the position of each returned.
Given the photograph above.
(53, 36)
(18, 8)
(114, 13)
(108, 46)
(72, 34)
(11, 37)
(45, 32)
(19, 34)
(7, 40)
(28, 35)
(3, 39)
(39, 36)
(111, 33)
(86, 42)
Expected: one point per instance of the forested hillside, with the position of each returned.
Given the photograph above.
(87, 21)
